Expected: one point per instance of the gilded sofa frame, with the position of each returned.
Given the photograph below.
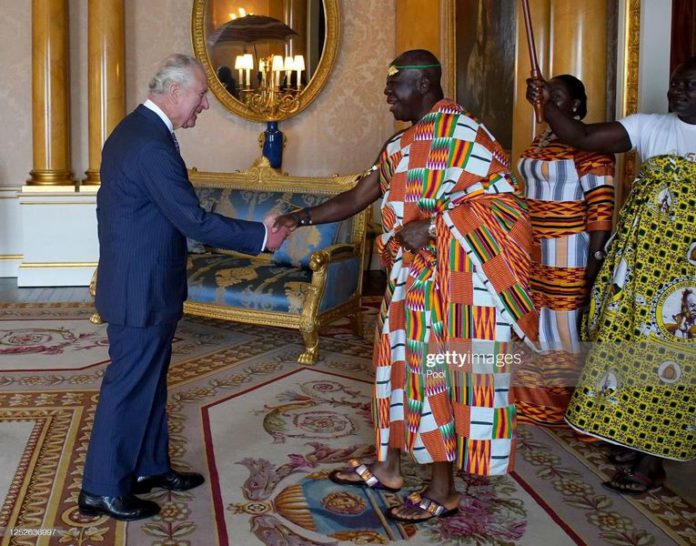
(261, 177)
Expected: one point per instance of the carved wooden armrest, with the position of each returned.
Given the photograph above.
(321, 258)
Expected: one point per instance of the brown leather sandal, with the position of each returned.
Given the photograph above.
(635, 483)
(367, 478)
(430, 507)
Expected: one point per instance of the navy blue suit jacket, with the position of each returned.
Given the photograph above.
(146, 207)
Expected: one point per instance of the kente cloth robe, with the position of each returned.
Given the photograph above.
(461, 297)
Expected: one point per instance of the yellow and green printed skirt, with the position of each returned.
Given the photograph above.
(638, 387)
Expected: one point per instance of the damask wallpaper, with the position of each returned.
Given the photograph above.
(341, 132)
(15, 92)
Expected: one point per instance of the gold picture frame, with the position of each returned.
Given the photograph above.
(307, 96)
(627, 99)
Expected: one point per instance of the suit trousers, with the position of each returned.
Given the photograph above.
(129, 436)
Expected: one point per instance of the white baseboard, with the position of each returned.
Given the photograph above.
(9, 265)
(11, 253)
(34, 274)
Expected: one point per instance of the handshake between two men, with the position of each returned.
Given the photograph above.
(280, 226)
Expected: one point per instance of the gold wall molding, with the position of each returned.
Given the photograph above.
(25, 203)
(448, 47)
(56, 265)
(11, 256)
(50, 94)
(628, 92)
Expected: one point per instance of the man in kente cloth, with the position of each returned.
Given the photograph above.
(457, 246)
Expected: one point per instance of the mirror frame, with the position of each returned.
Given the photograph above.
(310, 92)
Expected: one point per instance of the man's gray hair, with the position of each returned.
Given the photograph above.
(177, 68)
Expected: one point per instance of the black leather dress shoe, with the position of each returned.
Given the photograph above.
(172, 480)
(125, 507)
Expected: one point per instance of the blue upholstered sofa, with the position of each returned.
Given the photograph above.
(313, 279)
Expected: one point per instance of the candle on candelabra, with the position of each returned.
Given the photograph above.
(239, 67)
(299, 66)
(262, 69)
(248, 65)
(289, 65)
(277, 69)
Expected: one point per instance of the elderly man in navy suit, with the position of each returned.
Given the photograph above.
(146, 207)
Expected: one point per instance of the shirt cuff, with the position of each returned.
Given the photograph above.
(265, 237)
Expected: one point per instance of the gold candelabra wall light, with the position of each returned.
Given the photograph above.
(272, 92)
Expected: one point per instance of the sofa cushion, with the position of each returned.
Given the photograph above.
(246, 283)
(256, 205)
(297, 249)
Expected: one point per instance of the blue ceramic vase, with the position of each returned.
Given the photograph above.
(273, 144)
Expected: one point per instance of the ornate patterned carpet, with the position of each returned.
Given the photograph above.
(266, 432)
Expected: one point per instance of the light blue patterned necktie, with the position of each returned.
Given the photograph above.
(176, 142)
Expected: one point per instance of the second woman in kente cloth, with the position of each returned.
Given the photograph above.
(570, 194)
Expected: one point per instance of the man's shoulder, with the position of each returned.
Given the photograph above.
(448, 107)
(450, 113)
(144, 120)
(641, 120)
(137, 130)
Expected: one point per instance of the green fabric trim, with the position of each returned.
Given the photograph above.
(411, 66)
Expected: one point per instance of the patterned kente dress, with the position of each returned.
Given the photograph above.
(638, 387)
(464, 293)
(570, 193)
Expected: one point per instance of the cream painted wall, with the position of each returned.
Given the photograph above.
(341, 132)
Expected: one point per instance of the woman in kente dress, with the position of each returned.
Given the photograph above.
(638, 387)
(570, 194)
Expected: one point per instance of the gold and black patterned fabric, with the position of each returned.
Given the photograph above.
(638, 387)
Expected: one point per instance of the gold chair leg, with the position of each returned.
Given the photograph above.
(356, 324)
(96, 317)
(311, 341)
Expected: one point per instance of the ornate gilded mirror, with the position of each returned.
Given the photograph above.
(266, 60)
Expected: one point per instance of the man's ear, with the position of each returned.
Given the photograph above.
(423, 85)
(174, 91)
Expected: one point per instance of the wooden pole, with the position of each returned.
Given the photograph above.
(536, 73)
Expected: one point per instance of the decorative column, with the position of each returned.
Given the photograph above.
(571, 38)
(107, 92)
(51, 98)
(580, 48)
(423, 15)
(524, 125)
(426, 16)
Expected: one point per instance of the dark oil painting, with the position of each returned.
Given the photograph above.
(485, 42)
